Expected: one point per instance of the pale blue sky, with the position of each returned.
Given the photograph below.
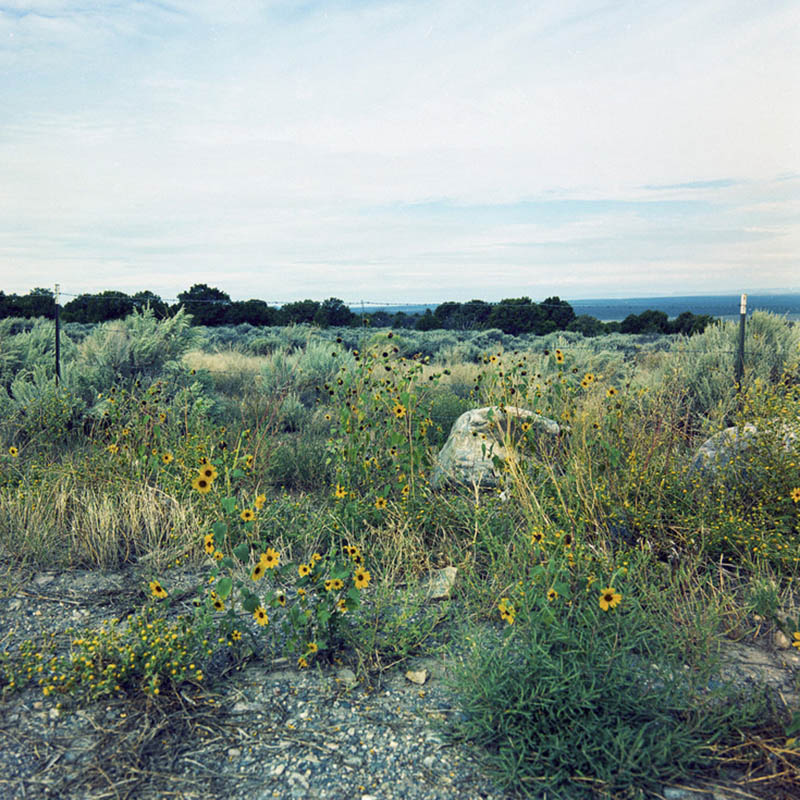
(400, 151)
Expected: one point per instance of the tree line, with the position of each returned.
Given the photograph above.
(211, 306)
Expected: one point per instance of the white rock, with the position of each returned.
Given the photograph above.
(417, 676)
(476, 438)
(440, 583)
(781, 640)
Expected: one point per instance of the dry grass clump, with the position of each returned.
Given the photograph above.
(68, 522)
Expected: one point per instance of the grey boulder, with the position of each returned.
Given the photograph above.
(477, 438)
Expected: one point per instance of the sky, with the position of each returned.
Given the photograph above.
(403, 152)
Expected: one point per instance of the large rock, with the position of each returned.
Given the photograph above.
(716, 453)
(476, 438)
(720, 453)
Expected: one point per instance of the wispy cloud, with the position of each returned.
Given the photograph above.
(382, 146)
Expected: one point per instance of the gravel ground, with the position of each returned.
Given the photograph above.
(267, 731)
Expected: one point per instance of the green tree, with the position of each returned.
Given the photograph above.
(427, 322)
(649, 321)
(559, 311)
(207, 305)
(253, 312)
(147, 298)
(333, 312)
(688, 324)
(299, 311)
(100, 307)
(516, 315)
(587, 325)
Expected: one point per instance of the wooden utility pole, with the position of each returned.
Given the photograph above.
(739, 367)
(58, 340)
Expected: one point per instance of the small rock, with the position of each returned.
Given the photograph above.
(277, 770)
(429, 762)
(781, 640)
(244, 708)
(418, 676)
(44, 579)
(15, 605)
(234, 752)
(54, 713)
(296, 777)
(347, 677)
(441, 583)
(682, 794)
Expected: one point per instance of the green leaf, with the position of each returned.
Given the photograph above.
(242, 551)
(323, 615)
(229, 504)
(340, 570)
(249, 602)
(237, 473)
(219, 529)
(224, 586)
(227, 563)
(354, 595)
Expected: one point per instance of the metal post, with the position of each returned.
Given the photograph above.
(739, 368)
(58, 340)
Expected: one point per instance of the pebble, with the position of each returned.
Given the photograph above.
(781, 640)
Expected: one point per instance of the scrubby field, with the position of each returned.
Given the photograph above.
(290, 466)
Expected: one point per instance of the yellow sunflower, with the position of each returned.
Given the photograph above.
(609, 598)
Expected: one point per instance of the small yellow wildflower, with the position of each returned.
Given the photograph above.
(340, 491)
(208, 471)
(13, 452)
(271, 558)
(201, 484)
(247, 515)
(157, 590)
(259, 501)
(609, 598)
(795, 494)
(361, 578)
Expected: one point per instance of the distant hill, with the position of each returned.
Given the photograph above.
(610, 309)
